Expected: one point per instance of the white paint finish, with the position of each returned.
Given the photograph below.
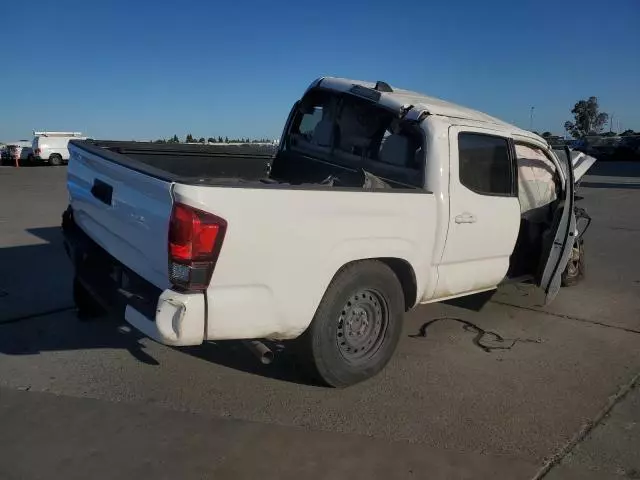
(51, 143)
(434, 106)
(134, 228)
(283, 247)
(180, 319)
(482, 231)
(437, 180)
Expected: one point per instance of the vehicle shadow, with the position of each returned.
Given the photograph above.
(39, 316)
(62, 331)
(35, 277)
(233, 354)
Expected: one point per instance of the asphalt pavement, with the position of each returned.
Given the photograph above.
(556, 397)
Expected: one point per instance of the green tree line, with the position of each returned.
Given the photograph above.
(189, 138)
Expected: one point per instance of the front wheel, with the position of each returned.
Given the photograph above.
(55, 160)
(575, 269)
(356, 327)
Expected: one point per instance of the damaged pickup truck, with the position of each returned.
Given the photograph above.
(377, 200)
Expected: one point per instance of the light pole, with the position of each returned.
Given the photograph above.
(531, 119)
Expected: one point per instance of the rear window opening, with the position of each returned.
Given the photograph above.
(353, 142)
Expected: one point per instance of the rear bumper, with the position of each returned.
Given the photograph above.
(166, 316)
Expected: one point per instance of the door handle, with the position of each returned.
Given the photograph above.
(466, 218)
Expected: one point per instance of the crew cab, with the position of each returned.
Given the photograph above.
(377, 200)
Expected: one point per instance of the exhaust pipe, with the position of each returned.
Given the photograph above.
(260, 350)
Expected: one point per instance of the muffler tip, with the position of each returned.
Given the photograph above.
(260, 350)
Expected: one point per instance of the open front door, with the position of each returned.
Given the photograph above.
(561, 236)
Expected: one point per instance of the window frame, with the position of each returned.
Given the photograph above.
(513, 166)
(302, 117)
(409, 177)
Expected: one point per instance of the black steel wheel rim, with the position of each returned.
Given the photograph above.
(362, 324)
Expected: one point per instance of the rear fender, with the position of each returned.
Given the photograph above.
(355, 250)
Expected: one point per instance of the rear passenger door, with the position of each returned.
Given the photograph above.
(484, 212)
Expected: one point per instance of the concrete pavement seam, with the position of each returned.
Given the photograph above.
(584, 431)
(568, 317)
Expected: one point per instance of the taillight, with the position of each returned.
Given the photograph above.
(37, 151)
(195, 240)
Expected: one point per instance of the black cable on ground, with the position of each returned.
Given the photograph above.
(480, 335)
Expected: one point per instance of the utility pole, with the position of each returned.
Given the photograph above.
(531, 119)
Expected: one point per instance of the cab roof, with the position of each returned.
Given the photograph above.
(399, 99)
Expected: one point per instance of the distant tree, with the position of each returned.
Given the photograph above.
(201, 140)
(226, 139)
(189, 138)
(588, 120)
(546, 135)
(628, 132)
(220, 140)
(160, 140)
(175, 139)
(609, 134)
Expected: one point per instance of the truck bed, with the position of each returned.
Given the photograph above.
(247, 165)
(186, 163)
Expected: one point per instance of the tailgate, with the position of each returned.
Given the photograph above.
(124, 211)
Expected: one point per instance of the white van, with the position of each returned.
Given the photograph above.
(52, 147)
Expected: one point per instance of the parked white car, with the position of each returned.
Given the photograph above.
(15, 151)
(52, 147)
(377, 200)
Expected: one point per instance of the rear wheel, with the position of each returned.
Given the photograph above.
(356, 327)
(575, 269)
(55, 160)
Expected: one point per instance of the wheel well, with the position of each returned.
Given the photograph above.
(406, 276)
(403, 271)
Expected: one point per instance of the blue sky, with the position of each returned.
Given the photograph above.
(144, 70)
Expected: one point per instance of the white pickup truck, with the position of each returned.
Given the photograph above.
(377, 200)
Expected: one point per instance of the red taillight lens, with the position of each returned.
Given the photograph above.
(195, 240)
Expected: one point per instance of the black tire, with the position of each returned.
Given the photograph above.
(368, 295)
(574, 272)
(86, 306)
(55, 160)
